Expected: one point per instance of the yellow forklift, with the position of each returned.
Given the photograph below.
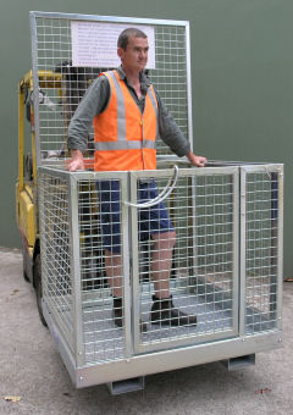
(26, 187)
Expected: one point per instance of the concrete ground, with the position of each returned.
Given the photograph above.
(32, 374)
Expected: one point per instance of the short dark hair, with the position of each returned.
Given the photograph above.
(126, 34)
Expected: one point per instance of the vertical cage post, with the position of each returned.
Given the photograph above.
(35, 69)
(75, 270)
(242, 252)
(126, 253)
(280, 245)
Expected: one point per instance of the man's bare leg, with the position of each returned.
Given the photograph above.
(162, 262)
(113, 263)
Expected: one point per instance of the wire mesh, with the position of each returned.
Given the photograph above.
(52, 46)
(56, 256)
(99, 218)
(261, 250)
(199, 271)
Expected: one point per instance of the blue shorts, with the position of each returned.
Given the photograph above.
(150, 220)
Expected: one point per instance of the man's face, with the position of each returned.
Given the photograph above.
(135, 56)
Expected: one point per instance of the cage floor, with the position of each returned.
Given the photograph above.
(103, 341)
(212, 304)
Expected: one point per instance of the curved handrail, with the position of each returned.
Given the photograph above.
(162, 196)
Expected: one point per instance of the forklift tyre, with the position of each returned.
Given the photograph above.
(24, 272)
(39, 288)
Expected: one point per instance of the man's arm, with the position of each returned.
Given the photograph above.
(92, 104)
(76, 162)
(171, 134)
(195, 160)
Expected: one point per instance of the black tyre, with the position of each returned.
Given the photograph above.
(24, 265)
(39, 288)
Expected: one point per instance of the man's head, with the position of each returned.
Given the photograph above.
(133, 49)
(124, 36)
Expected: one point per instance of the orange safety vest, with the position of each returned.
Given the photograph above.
(125, 139)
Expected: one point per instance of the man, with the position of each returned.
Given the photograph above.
(128, 114)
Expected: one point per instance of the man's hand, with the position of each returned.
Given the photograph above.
(198, 161)
(76, 162)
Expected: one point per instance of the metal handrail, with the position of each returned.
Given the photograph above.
(162, 196)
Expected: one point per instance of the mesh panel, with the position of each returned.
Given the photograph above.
(202, 261)
(53, 51)
(76, 247)
(261, 251)
(56, 255)
(99, 218)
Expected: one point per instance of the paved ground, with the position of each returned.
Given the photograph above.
(31, 370)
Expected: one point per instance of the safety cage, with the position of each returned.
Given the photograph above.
(227, 257)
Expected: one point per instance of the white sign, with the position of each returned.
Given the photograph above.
(94, 44)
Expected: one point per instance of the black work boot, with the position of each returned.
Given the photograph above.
(164, 313)
(118, 315)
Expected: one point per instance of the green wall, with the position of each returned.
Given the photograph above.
(242, 82)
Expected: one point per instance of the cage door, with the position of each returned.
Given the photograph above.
(197, 265)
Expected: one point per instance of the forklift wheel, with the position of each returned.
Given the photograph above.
(38, 288)
(24, 273)
(26, 278)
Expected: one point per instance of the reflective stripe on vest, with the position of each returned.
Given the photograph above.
(124, 145)
(120, 140)
(121, 113)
